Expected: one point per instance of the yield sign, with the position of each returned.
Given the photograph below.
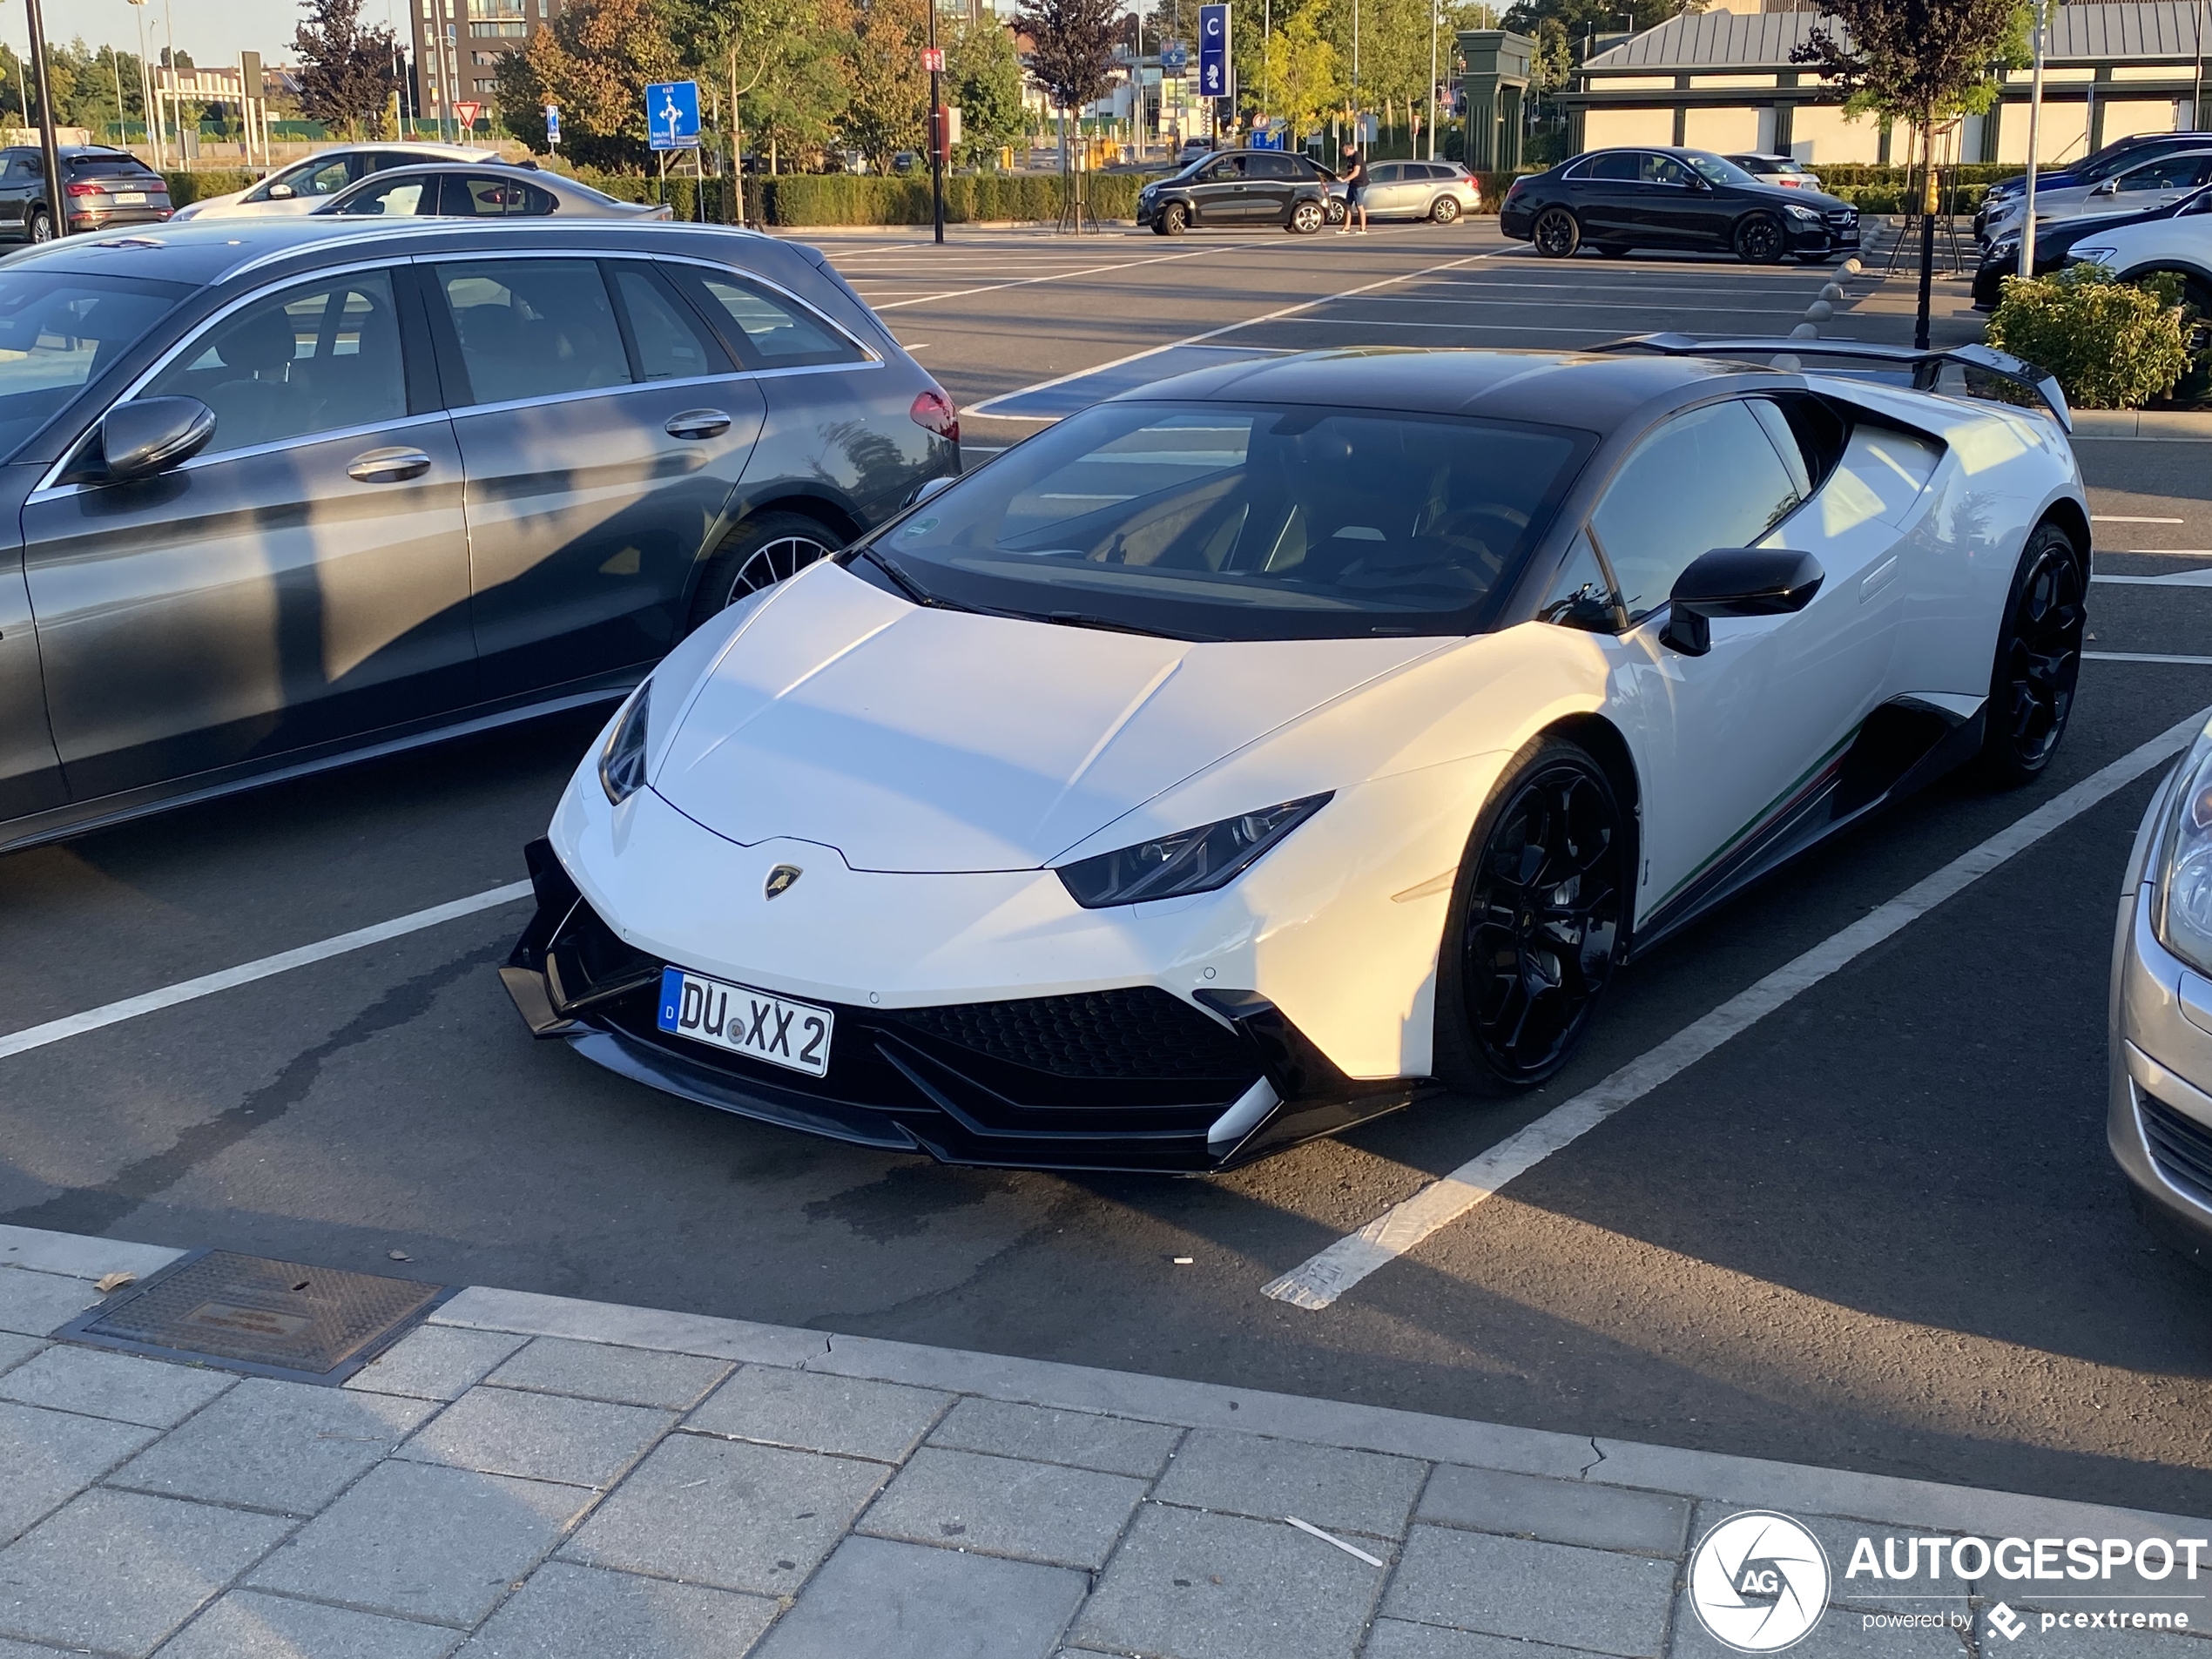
(468, 114)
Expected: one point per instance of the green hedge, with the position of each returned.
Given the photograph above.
(2112, 344)
(198, 186)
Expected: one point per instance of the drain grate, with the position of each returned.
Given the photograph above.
(267, 1317)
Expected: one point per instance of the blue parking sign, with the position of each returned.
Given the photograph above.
(672, 115)
(1215, 78)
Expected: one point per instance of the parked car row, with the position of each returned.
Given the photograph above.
(1236, 188)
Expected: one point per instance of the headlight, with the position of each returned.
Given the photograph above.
(2095, 253)
(2181, 913)
(1194, 860)
(1797, 213)
(622, 763)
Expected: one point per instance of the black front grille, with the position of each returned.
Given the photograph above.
(2181, 1145)
(1140, 1032)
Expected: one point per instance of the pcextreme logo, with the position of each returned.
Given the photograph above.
(1758, 1582)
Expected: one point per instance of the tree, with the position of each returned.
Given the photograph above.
(1073, 57)
(594, 59)
(1305, 76)
(889, 104)
(347, 70)
(986, 80)
(1919, 61)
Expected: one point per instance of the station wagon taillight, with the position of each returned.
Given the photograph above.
(934, 409)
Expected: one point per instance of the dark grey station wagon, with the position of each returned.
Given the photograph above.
(277, 493)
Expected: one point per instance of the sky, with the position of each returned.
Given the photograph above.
(213, 31)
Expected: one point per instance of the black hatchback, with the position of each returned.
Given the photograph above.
(1678, 199)
(1238, 188)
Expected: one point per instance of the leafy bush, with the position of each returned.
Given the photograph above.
(2112, 344)
(198, 186)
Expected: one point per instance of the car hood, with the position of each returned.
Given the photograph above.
(927, 740)
(1819, 201)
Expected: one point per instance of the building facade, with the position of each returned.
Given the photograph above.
(1724, 80)
(458, 44)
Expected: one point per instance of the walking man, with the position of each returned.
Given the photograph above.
(1355, 185)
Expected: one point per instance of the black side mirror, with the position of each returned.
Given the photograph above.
(153, 434)
(1736, 581)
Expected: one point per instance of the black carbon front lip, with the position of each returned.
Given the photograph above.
(899, 1082)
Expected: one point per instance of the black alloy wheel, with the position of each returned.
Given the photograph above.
(759, 554)
(2039, 659)
(1535, 923)
(1445, 209)
(1760, 241)
(1175, 218)
(1556, 234)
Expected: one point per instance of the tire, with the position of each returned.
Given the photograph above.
(1519, 972)
(1446, 211)
(1175, 218)
(1556, 234)
(2038, 660)
(41, 225)
(757, 554)
(1338, 211)
(1307, 218)
(1612, 251)
(1760, 239)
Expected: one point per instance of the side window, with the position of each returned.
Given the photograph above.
(1620, 164)
(1386, 172)
(776, 331)
(318, 357)
(328, 179)
(474, 196)
(670, 345)
(2169, 174)
(532, 327)
(1583, 595)
(1665, 170)
(1227, 170)
(1707, 479)
(1273, 166)
(402, 199)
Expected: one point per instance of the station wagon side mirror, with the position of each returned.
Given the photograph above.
(153, 434)
(1736, 581)
(2110, 187)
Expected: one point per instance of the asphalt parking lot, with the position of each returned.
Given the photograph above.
(1876, 1230)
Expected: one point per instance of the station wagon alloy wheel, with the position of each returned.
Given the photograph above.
(1446, 210)
(759, 553)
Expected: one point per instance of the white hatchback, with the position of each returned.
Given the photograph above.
(305, 185)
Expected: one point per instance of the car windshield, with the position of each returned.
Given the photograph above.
(1245, 522)
(57, 331)
(1716, 170)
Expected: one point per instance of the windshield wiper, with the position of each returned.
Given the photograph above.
(1108, 624)
(907, 584)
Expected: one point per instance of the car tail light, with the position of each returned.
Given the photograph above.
(934, 409)
(1514, 188)
(88, 190)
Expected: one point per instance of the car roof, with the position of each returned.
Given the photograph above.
(1593, 391)
(204, 251)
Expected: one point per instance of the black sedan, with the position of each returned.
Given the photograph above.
(2054, 242)
(1613, 200)
(1239, 189)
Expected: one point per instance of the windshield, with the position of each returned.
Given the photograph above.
(1716, 170)
(57, 331)
(1245, 522)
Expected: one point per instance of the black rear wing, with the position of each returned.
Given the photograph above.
(1964, 370)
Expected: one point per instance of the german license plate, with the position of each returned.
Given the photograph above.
(130, 198)
(746, 1021)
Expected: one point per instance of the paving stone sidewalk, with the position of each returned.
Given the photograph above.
(531, 1476)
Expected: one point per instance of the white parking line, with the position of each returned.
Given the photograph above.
(983, 408)
(2144, 656)
(130, 1007)
(2173, 579)
(1060, 276)
(2119, 518)
(1321, 1280)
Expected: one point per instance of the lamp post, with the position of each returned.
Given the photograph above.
(1433, 25)
(2034, 126)
(936, 131)
(48, 150)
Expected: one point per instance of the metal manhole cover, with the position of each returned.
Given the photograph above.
(249, 1313)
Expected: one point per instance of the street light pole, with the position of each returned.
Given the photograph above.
(2034, 126)
(936, 133)
(145, 84)
(57, 192)
(1432, 26)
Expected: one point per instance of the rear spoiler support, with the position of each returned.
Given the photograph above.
(1926, 367)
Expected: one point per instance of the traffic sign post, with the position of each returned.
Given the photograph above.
(932, 59)
(553, 126)
(465, 113)
(672, 115)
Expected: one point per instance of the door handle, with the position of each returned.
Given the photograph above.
(388, 466)
(698, 423)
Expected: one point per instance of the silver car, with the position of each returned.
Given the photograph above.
(2159, 1121)
(292, 490)
(2157, 181)
(1441, 191)
(481, 191)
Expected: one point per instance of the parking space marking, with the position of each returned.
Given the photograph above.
(983, 408)
(2121, 518)
(130, 1007)
(2173, 579)
(1060, 276)
(1320, 1280)
(2145, 656)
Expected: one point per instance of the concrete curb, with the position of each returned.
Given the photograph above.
(1708, 1476)
(2170, 426)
